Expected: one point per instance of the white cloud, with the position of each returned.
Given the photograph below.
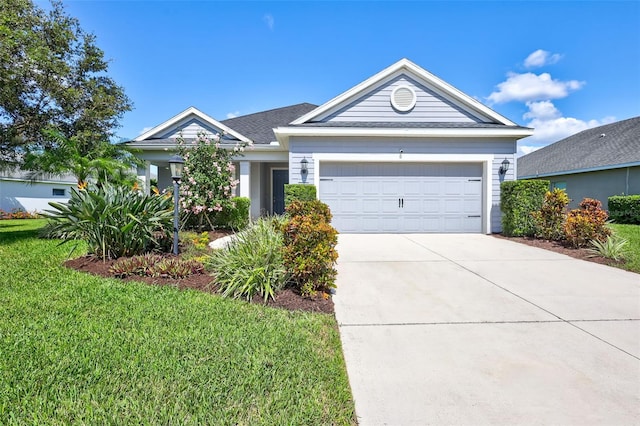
(542, 110)
(532, 87)
(541, 58)
(550, 126)
(145, 130)
(268, 19)
(233, 114)
(526, 149)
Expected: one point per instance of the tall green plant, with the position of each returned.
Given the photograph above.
(114, 221)
(252, 264)
(101, 160)
(518, 199)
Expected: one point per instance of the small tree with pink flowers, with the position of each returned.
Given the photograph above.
(209, 178)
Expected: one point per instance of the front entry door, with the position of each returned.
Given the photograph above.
(279, 178)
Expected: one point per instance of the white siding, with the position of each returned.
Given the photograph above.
(20, 195)
(376, 106)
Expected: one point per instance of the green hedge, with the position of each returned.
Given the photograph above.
(234, 217)
(625, 209)
(298, 192)
(518, 199)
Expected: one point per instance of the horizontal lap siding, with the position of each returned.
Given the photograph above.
(189, 130)
(376, 106)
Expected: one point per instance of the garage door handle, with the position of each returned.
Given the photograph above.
(402, 202)
(475, 180)
(475, 216)
(398, 202)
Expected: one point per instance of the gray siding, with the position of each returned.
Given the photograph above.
(376, 106)
(600, 185)
(189, 130)
(499, 148)
(496, 214)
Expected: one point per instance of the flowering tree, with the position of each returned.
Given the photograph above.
(208, 179)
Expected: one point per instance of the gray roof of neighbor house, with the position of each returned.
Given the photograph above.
(24, 175)
(259, 126)
(604, 147)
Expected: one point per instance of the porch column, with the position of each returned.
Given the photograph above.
(245, 179)
(144, 174)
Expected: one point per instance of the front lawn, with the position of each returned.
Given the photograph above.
(75, 348)
(631, 233)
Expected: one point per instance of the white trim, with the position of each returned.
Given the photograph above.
(284, 133)
(404, 65)
(187, 113)
(485, 159)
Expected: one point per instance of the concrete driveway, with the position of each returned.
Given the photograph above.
(472, 329)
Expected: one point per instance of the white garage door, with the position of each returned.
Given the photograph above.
(407, 197)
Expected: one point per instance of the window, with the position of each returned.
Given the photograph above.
(559, 185)
(58, 192)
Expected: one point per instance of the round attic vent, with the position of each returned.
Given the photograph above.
(403, 98)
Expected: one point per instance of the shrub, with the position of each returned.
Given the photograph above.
(252, 264)
(234, 215)
(153, 265)
(611, 248)
(310, 208)
(625, 209)
(208, 181)
(298, 192)
(310, 246)
(518, 199)
(114, 221)
(549, 220)
(18, 214)
(589, 222)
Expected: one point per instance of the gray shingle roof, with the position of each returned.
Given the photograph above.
(407, 125)
(587, 150)
(259, 126)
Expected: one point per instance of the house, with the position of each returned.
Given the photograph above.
(595, 163)
(19, 193)
(403, 151)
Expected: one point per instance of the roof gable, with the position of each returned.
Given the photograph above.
(604, 147)
(436, 101)
(189, 123)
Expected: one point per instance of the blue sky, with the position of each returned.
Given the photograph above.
(557, 66)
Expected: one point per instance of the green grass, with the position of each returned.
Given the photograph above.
(631, 233)
(75, 348)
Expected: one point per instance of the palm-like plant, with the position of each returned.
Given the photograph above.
(100, 159)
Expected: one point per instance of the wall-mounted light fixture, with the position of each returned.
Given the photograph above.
(505, 166)
(304, 169)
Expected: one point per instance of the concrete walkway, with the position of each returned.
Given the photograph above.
(472, 329)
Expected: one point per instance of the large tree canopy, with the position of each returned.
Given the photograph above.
(52, 77)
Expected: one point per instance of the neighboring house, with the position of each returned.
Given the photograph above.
(595, 163)
(402, 151)
(17, 192)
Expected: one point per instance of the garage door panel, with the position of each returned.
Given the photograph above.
(403, 197)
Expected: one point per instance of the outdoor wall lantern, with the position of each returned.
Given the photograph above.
(304, 169)
(176, 164)
(504, 167)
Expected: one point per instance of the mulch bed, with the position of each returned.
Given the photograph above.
(286, 299)
(578, 253)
